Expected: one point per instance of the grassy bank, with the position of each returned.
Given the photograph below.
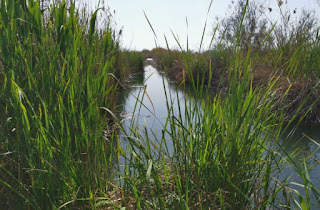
(215, 152)
(301, 84)
(222, 151)
(130, 62)
(284, 48)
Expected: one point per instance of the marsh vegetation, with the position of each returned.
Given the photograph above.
(219, 140)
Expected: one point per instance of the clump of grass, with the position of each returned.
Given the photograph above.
(56, 73)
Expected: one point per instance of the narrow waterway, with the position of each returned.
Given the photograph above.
(143, 105)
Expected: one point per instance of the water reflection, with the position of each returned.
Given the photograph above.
(145, 100)
(144, 106)
(306, 149)
(301, 140)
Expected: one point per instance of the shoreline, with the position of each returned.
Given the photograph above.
(296, 90)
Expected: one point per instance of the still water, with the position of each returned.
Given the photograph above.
(143, 104)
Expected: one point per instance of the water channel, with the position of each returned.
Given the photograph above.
(152, 89)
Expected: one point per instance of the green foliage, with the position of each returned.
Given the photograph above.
(130, 61)
(219, 150)
(289, 42)
(223, 154)
(57, 88)
(55, 76)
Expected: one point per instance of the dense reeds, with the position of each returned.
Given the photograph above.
(56, 73)
(287, 48)
(58, 84)
(215, 152)
(221, 151)
(130, 62)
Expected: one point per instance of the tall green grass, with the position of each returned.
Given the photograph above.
(57, 90)
(219, 152)
(288, 48)
(56, 74)
(221, 156)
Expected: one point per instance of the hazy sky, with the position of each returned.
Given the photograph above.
(171, 14)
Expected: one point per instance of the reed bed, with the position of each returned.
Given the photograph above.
(221, 151)
(224, 153)
(56, 73)
(287, 48)
(58, 86)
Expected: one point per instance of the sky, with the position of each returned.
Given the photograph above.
(169, 16)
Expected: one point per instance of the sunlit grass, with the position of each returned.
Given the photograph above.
(56, 73)
(225, 148)
(58, 87)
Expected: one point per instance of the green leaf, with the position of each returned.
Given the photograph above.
(149, 168)
(92, 25)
